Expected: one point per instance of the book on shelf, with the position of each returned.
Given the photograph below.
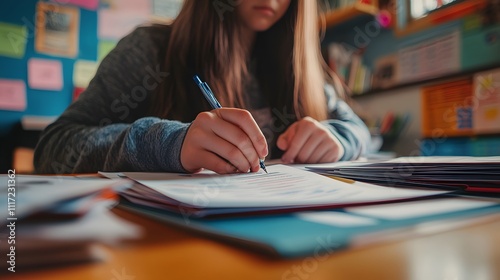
(348, 65)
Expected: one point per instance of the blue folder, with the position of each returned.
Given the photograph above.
(288, 235)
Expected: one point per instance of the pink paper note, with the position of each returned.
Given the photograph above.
(12, 95)
(45, 74)
(87, 4)
(116, 24)
(138, 7)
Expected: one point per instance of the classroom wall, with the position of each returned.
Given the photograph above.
(101, 24)
(477, 50)
(42, 102)
(400, 102)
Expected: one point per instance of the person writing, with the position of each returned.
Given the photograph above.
(143, 112)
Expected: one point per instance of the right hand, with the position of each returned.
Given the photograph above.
(225, 140)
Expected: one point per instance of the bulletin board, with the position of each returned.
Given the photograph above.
(49, 50)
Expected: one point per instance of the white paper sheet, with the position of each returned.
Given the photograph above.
(416, 209)
(283, 186)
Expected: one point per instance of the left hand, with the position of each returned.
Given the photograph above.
(308, 141)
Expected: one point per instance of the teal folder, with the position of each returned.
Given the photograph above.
(289, 235)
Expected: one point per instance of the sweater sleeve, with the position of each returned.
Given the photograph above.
(108, 128)
(346, 126)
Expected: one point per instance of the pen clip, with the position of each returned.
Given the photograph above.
(207, 92)
(210, 96)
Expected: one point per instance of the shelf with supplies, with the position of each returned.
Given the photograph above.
(345, 19)
(341, 15)
(369, 55)
(451, 76)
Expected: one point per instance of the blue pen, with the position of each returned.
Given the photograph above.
(209, 95)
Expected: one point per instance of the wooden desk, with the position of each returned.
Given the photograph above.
(167, 253)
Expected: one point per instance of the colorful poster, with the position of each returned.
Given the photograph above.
(142, 7)
(45, 74)
(486, 102)
(57, 29)
(12, 95)
(114, 25)
(13, 40)
(121, 17)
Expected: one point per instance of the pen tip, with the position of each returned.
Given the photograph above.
(262, 165)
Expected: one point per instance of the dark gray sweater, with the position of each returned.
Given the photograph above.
(109, 128)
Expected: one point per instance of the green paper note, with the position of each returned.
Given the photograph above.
(13, 40)
(104, 48)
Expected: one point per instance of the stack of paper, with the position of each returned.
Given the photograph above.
(284, 189)
(29, 196)
(51, 220)
(476, 174)
(346, 212)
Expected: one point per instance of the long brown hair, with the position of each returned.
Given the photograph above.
(208, 42)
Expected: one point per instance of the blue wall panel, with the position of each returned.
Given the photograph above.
(41, 102)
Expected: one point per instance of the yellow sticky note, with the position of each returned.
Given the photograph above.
(83, 72)
(13, 40)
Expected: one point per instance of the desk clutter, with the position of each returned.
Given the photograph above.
(58, 220)
(294, 211)
(470, 174)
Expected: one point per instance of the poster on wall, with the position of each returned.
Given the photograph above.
(45, 74)
(13, 40)
(57, 29)
(12, 95)
(487, 102)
